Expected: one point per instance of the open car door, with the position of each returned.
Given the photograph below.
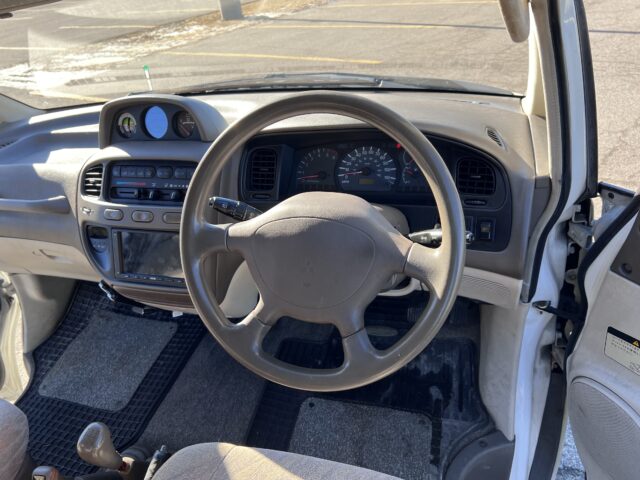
(603, 370)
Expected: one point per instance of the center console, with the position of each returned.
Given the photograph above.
(130, 212)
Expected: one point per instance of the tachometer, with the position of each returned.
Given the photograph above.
(315, 170)
(367, 168)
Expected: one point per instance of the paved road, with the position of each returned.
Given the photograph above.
(615, 43)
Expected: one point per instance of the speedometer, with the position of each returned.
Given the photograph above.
(368, 169)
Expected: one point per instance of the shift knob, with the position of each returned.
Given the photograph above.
(96, 447)
(46, 473)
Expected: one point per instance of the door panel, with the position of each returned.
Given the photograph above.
(603, 373)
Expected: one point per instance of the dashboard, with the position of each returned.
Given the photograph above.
(102, 188)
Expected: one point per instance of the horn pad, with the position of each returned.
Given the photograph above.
(298, 260)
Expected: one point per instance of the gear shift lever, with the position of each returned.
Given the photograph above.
(96, 447)
(46, 473)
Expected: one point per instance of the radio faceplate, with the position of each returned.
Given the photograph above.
(149, 181)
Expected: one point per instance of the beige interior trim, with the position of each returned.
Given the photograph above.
(491, 288)
(515, 14)
(14, 376)
(542, 36)
(487, 287)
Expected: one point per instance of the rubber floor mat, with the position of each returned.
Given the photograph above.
(55, 424)
(440, 384)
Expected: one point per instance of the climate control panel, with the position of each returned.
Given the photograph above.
(149, 182)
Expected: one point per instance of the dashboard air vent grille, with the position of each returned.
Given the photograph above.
(92, 181)
(262, 169)
(475, 177)
(495, 136)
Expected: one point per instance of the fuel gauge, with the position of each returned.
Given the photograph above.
(413, 180)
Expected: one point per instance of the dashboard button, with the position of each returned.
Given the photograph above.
(485, 230)
(112, 214)
(128, 172)
(172, 218)
(142, 216)
(116, 171)
(181, 173)
(164, 172)
(149, 172)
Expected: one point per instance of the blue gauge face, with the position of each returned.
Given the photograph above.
(156, 122)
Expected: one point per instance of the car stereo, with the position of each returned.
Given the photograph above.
(149, 257)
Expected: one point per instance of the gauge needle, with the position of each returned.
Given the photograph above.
(309, 176)
(350, 173)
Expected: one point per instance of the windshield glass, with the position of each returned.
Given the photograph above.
(77, 52)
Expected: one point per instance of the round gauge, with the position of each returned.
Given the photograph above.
(127, 125)
(314, 172)
(155, 122)
(184, 124)
(412, 177)
(369, 169)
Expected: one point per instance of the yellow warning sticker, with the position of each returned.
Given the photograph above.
(623, 349)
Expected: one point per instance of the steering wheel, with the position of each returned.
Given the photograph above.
(322, 257)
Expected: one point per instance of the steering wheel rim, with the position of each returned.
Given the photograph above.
(323, 215)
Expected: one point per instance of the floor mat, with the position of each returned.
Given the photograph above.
(55, 424)
(212, 400)
(439, 387)
(107, 377)
(373, 436)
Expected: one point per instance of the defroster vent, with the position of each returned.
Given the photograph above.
(262, 169)
(475, 177)
(92, 181)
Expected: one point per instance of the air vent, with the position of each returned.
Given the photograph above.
(92, 181)
(475, 177)
(262, 169)
(495, 136)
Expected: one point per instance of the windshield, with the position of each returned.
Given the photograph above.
(77, 52)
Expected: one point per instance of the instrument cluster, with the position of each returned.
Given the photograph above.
(363, 167)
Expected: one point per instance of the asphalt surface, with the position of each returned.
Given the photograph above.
(45, 53)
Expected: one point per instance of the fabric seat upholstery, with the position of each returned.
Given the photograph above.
(14, 436)
(223, 461)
